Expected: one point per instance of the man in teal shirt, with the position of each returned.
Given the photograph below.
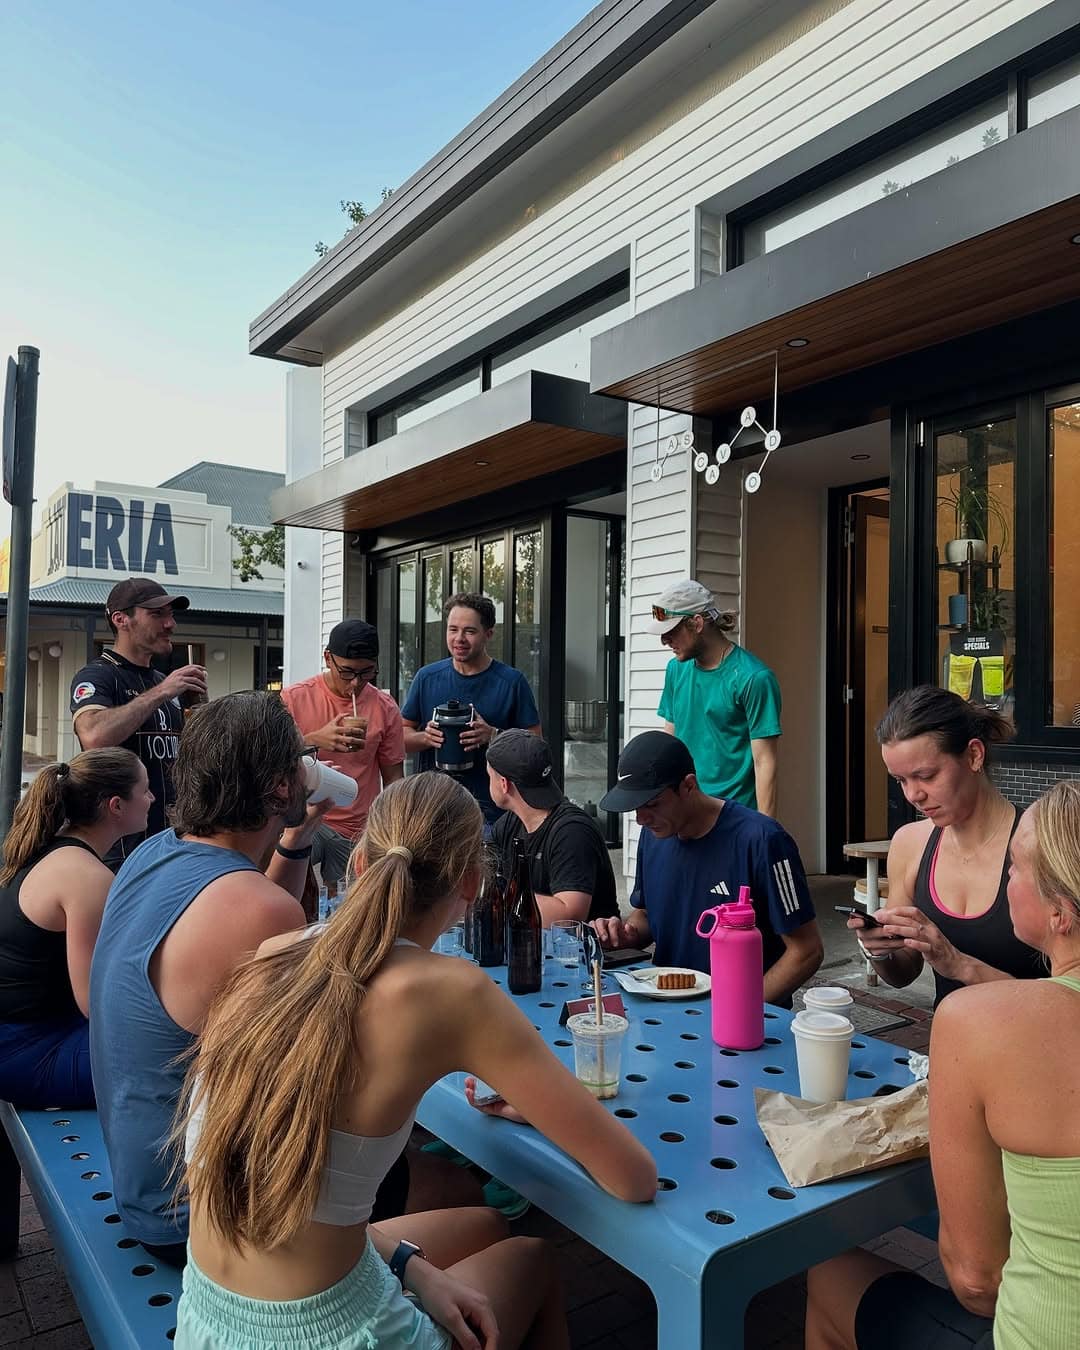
(718, 698)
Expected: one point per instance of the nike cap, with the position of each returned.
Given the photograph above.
(525, 760)
(648, 764)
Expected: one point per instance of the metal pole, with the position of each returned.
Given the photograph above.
(18, 600)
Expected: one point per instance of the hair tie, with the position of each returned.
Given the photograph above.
(62, 770)
(401, 851)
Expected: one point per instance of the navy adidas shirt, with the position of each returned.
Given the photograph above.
(500, 694)
(678, 879)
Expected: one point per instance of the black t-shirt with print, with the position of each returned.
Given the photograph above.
(111, 681)
(567, 853)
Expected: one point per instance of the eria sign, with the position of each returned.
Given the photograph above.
(104, 533)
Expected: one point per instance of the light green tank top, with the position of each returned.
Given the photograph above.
(1038, 1305)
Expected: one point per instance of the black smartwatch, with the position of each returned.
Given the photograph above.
(403, 1253)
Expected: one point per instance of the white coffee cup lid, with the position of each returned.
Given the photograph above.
(828, 995)
(825, 1025)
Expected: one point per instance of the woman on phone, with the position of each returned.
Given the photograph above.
(1004, 1142)
(947, 872)
(311, 1066)
(53, 886)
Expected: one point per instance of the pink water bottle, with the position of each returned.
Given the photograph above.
(738, 990)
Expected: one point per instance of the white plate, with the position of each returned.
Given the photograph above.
(647, 986)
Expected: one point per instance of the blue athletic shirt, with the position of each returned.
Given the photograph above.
(134, 1044)
(500, 694)
(678, 879)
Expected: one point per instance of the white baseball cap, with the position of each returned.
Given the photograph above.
(679, 601)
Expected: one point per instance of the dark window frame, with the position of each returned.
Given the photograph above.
(913, 574)
(1011, 78)
(480, 361)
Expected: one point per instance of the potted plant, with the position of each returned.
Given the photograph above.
(974, 509)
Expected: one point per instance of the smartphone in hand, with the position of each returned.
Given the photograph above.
(869, 920)
(485, 1095)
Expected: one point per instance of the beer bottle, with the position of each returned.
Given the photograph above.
(489, 922)
(524, 930)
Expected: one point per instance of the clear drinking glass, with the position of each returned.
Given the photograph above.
(452, 941)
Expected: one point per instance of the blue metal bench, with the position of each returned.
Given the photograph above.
(127, 1297)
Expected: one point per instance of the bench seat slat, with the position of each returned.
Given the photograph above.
(114, 1302)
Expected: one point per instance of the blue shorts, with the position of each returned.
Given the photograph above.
(46, 1063)
(365, 1310)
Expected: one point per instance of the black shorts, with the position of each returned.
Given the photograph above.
(905, 1312)
(393, 1192)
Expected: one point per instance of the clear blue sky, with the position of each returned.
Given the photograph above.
(166, 168)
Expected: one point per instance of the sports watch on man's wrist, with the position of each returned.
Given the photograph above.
(403, 1253)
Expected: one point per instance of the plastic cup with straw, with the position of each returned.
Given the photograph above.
(598, 1038)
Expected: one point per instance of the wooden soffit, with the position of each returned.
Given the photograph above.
(534, 424)
(983, 242)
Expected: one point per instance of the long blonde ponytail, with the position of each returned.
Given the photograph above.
(279, 1049)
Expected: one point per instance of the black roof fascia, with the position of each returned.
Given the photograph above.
(533, 396)
(1023, 174)
(611, 40)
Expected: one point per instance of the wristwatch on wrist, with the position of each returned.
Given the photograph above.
(403, 1253)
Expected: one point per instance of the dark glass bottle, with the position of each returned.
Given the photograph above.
(524, 929)
(489, 922)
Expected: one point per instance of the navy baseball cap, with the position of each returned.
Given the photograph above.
(525, 760)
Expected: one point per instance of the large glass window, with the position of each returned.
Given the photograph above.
(461, 570)
(528, 551)
(420, 406)
(1063, 447)
(434, 628)
(562, 348)
(1053, 91)
(384, 622)
(976, 531)
(946, 145)
(493, 585)
(406, 644)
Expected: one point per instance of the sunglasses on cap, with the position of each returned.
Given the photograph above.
(660, 614)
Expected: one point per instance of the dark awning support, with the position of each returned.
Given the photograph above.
(533, 424)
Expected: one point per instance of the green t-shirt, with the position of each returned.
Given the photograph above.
(717, 713)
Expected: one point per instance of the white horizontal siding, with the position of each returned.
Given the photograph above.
(333, 581)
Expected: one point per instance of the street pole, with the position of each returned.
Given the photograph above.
(18, 597)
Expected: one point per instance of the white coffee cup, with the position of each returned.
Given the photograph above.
(822, 1048)
(829, 998)
(323, 782)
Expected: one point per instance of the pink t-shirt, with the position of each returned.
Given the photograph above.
(312, 704)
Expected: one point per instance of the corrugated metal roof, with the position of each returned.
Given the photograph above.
(204, 599)
(245, 491)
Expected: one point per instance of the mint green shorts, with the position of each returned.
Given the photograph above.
(365, 1310)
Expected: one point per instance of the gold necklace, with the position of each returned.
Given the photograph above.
(966, 858)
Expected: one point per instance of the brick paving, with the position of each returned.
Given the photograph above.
(608, 1308)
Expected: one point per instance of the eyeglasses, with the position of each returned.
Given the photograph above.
(347, 673)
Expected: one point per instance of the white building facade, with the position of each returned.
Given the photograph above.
(667, 219)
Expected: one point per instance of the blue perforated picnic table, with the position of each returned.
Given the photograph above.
(725, 1224)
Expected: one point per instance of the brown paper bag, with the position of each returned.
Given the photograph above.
(821, 1141)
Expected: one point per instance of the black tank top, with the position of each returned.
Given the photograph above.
(988, 937)
(34, 981)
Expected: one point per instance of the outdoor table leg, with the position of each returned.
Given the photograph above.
(10, 1184)
(680, 1320)
(873, 904)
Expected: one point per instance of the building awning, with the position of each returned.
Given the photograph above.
(980, 243)
(531, 425)
(80, 592)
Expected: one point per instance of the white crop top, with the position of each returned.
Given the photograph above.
(355, 1164)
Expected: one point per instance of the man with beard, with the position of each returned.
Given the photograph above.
(498, 694)
(718, 698)
(186, 908)
(118, 699)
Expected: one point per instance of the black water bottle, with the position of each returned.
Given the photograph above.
(524, 930)
(489, 922)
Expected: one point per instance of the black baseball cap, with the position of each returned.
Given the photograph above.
(526, 760)
(648, 764)
(142, 591)
(354, 639)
